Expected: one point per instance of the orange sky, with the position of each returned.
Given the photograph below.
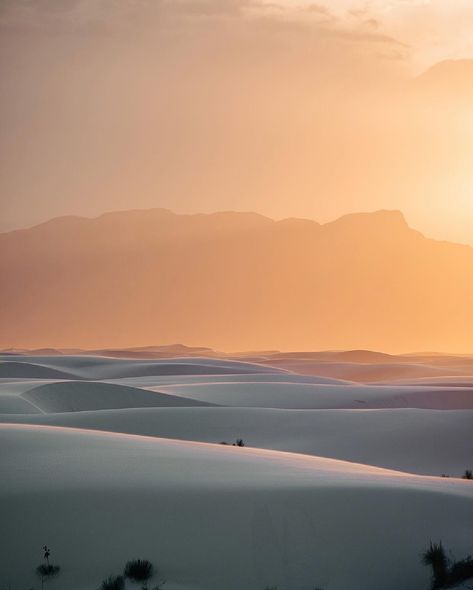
(290, 109)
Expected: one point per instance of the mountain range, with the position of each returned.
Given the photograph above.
(234, 281)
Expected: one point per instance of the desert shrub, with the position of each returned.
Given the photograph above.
(460, 571)
(468, 474)
(436, 558)
(138, 570)
(238, 443)
(447, 574)
(47, 553)
(113, 583)
(47, 571)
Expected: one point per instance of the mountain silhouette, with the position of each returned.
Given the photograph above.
(451, 78)
(234, 281)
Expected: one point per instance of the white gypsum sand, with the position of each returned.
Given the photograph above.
(91, 465)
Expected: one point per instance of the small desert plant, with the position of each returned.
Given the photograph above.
(239, 443)
(460, 571)
(468, 474)
(436, 558)
(47, 570)
(138, 570)
(113, 583)
(47, 553)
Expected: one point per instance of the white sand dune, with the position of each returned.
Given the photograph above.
(32, 397)
(78, 474)
(365, 372)
(77, 396)
(427, 442)
(282, 377)
(10, 387)
(19, 386)
(442, 381)
(15, 404)
(30, 370)
(59, 396)
(217, 517)
(321, 396)
(94, 367)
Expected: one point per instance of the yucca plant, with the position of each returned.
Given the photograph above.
(435, 557)
(138, 570)
(113, 583)
(47, 570)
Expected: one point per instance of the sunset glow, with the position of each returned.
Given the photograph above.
(236, 294)
(291, 110)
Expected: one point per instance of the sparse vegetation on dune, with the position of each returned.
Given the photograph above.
(135, 570)
(436, 558)
(460, 571)
(113, 583)
(238, 443)
(445, 572)
(47, 570)
(138, 570)
(467, 474)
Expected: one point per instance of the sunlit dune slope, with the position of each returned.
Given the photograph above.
(427, 442)
(77, 396)
(89, 366)
(321, 396)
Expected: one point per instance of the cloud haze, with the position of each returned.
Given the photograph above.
(301, 109)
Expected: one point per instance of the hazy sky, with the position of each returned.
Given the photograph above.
(288, 108)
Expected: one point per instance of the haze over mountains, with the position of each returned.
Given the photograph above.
(234, 281)
(452, 78)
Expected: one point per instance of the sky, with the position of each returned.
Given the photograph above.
(287, 108)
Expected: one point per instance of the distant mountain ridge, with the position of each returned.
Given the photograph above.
(234, 281)
(451, 77)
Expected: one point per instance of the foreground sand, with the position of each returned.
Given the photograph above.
(217, 517)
